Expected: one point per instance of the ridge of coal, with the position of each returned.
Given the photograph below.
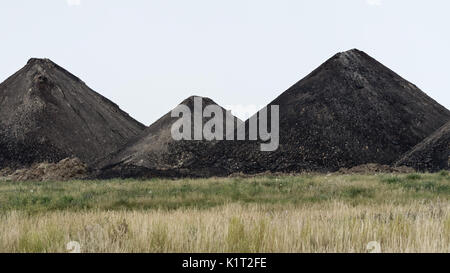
(432, 154)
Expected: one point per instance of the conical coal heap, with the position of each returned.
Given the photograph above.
(352, 110)
(156, 153)
(48, 114)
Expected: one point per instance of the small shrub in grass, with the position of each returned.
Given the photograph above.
(258, 235)
(392, 180)
(159, 237)
(427, 186)
(236, 237)
(444, 173)
(413, 176)
(119, 230)
(355, 192)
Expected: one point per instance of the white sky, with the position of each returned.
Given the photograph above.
(149, 55)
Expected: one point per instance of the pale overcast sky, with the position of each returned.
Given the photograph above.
(149, 55)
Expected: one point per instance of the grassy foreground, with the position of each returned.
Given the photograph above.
(308, 213)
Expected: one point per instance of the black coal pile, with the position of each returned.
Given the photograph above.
(156, 153)
(432, 154)
(48, 114)
(350, 111)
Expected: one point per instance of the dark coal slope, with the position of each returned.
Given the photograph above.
(432, 154)
(48, 114)
(156, 153)
(351, 110)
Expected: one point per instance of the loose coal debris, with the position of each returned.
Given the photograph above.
(375, 169)
(66, 169)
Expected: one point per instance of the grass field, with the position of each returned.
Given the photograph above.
(307, 213)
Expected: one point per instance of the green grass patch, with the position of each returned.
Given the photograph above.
(165, 194)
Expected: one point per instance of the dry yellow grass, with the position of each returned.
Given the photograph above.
(327, 227)
(306, 213)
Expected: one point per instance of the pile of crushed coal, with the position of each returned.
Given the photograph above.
(64, 170)
(432, 154)
(47, 114)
